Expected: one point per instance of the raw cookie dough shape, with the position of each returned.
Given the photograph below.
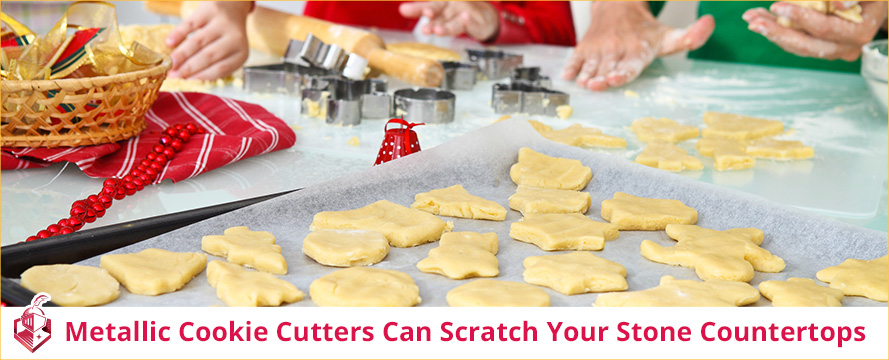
(154, 271)
(675, 293)
(564, 111)
(253, 249)
(539, 126)
(573, 273)
(727, 154)
(534, 200)
(868, 278)
(536, 169)
(487, 241)
(72, 285)
(739, 127)
(669, 157)
(455, 201)
(779, 149)
(346, 248)
(497, 293)
(402, 226)
(237, 286)
(649, 129)
(577, 135)
(852, 14)
(423, 50)
(799, 292)
(360, 286)
(630, 212)
(727, 255)
(460, 262)
(553, 232)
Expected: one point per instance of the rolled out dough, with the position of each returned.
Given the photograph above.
(72, 285)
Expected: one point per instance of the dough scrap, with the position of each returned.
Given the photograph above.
(497, 293)
(237, 286)
(423, 50)
(575, 273)
(573, 231)
(154, 271)
(629, 212)
(675, 293)
(739, 127)
(346, 248)
(460, 262)
(72, 285)
(361, 286)
(852, 14)
(564, 111)
(534, 200)
(402, 226)
(779, 149)
(540, 127)
(868, 278)
(649, 129)
(727, 154)
(253, 249)
(486, 241)
(536, 169)
(455, 201)
(577, 135)
(669, 157)
(727, 255)
(798, 292)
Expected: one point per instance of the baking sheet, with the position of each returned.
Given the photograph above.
(480, 161)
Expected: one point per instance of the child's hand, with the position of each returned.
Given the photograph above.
(477, 19)
(211, 42)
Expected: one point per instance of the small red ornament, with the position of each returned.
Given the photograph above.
(75, 223)
(43, 234)
(54, 229)
(77, 211)
(398, 142)
(66, 230)
(99, 209)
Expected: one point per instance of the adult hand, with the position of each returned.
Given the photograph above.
(623, 39)
(477, 19)
(816, 34)
(211, 42)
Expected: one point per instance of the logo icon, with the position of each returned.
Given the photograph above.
(35, 326)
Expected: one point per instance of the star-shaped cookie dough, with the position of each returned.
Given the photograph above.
(629, 212)
(779, 149)
(154, 271)
(727, 154)
(669, 157)
(532, 200)
(868, 278)
(577, 272)
(799, 292)
(739, 127)
(675, 293)
(539, 170)
(237, 286)
(487, 241)
(457, 202)
(727, 255)
(577, 135)
(460, 262)
(553, 232)
(255, 249)
(649, 129)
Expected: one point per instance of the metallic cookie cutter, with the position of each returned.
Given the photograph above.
(275, 78)
(311, 57)
(430, 106)
(525, 98)
(376, 102)
(344, 105)
(345, 101)
(530, 75)
(494, 64)
(458, 75)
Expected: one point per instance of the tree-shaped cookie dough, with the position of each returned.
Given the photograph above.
(727, 255)
(497, 293)
(629, 212)
(779, 149)
(237, 286)
(457, 202)
(669, 157)
(649, 129)
(254, 249)
(739, 127)
(868, 278)
(402, 226)
(536, 169)
(576, 272)
(675, 293)
(727, 154)
(553, 232)
(154, 271)
(799, 292)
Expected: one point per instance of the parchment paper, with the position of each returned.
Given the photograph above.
(480, 161)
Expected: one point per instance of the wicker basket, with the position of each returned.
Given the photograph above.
(78, 112)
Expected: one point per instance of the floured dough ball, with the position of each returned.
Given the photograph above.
(346, 247)
(72, 285)
(154, 271)
(423, 50)
(237, 286)
(675, 293)
(360, 286)
(457, 202)
(539, 170)
(497, 293)
(402, 226)
(573, 273)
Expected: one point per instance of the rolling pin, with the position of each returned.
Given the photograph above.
(264, 32)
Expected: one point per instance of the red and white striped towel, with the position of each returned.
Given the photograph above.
(235, 130)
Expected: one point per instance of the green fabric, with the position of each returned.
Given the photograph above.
(731, 41)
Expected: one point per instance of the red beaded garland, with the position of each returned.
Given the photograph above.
(85, 211)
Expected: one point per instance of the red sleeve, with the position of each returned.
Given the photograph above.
(545, 22)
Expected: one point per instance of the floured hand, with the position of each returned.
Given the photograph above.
(477, 19)
(211, 42)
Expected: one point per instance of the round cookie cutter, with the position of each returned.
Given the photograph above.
(425, 105)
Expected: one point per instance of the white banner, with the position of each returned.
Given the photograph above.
(378, 333)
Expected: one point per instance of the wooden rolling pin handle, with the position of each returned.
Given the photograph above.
(414, 70)
(171, 8)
